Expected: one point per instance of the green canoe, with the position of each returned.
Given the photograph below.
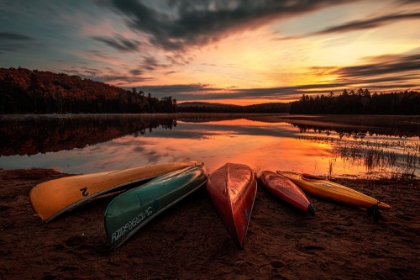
(131, 210)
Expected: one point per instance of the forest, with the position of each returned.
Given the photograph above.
(44, 92)
(360, 102)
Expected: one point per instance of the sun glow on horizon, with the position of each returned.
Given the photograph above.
(240, 102)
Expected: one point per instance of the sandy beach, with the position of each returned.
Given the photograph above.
(189, 241)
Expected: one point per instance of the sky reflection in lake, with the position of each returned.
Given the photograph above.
(261, 145)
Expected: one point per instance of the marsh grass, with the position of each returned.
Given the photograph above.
(331, 163)
(374, 157)
(396, 160)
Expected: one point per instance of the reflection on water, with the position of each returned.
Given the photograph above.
(42, 134)
(86, 144)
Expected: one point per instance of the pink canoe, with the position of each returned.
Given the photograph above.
(286, 190)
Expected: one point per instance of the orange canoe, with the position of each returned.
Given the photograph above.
(52, 198)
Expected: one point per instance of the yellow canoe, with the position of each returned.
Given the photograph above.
(324, 188)
(52, 198)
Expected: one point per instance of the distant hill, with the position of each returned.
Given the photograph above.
(26, 91)
(43, 92)
(207, 104)
(228, 108)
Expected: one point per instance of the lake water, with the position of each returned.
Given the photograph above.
(336, 146)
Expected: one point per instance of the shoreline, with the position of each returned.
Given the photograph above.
(188, 241)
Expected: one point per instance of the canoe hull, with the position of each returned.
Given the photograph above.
(232, 190)
(52, 198)
(131, 210)
(329, 190)
(285, 189)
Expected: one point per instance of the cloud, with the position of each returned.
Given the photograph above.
(367, 24)
(391, 72)
(14, 36)
(198, 23)
(359, 25)
(190, 88)
(98, 75)
(10, 48)
(383, 65)
(407, 1)
(13, 42)
(151, 63)
(382, 69)
(124, 78)
(119, 43)
(136, 72)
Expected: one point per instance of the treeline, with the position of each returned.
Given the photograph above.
(26, 91)
(226, 108)
(360, 102)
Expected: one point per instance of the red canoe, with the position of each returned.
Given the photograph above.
(232, 189)
(286, 190)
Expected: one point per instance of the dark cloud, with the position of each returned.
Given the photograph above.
(359, 25)
(119, 43)
(150, 63)
(10, 48)
(14, 36)
(408, 1)
(136, 72)
(368, 23)
(124, 78)
(97, 53)
(395, 64)
(401, 70)
(91, 71)
(197, 23)
(97, 75)
(180, 88)
(396, 79)
(13, 42)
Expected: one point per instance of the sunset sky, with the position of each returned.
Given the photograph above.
(238, 52)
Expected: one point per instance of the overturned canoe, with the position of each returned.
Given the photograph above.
(52, 198)
(232, 189)
(324, 188)
(285, 189)
(131, 210)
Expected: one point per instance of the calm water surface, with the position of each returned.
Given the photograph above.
(90, 144)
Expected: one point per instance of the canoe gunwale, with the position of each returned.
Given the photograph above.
(250, 212)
